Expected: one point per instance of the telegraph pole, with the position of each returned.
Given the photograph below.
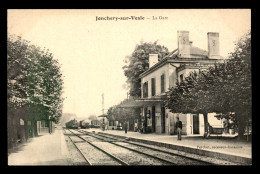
(103, 109)
(103, 104)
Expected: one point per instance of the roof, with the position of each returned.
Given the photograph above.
(196, 54)
(142, 102)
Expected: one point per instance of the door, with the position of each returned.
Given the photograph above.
(145, 117)
(153, 118)
(196, 124)
(163, 119)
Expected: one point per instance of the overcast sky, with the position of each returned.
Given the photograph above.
(92, 52)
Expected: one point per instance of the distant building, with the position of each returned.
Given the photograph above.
(164, 74)
(95, 123)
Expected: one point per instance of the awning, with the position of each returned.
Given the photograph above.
(142, 102)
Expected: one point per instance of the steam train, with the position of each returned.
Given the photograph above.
(83, 124)
(72, 124)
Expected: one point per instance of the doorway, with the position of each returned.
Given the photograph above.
(145, 117)
(196, 124)
(153, 119)
(163, 119)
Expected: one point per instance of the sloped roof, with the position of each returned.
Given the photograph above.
(195, 52)
(142, 101)
(198, 51)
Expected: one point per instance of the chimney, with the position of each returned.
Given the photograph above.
(153, 59)
(213, 45)
(183, 43)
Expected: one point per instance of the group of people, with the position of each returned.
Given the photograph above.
(178, 127)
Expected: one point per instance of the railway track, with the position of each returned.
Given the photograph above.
(168, 157)
(111, 159)
(132, 157)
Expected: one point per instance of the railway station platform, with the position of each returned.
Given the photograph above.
(225, 148)
(47, 149)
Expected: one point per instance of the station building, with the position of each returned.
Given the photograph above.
(164, 74)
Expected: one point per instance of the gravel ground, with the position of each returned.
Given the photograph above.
(89, 138)
(76, 139)
(128, 156)
(75, 132)
(95, 156)
(74, 154)
(175, 159)
(204, 158)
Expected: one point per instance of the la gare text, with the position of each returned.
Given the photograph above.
(132, 18)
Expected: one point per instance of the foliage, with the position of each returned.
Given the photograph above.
(34, 80)
(138, 62)
(223, 88)
(122, 114)
(16, 72)
(92, 117)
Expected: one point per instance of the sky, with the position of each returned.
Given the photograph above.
(92, 52)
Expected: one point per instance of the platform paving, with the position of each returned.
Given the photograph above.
(221, 147)
(47, 149)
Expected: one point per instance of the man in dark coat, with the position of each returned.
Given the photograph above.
(179, 128)
(125, 126)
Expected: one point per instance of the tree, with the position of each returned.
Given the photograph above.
(16, 72)
(16, 87)
(122, 114)
(92, 117)
(34, 82)
(44, 85)
(223, 88)
(138, 62)
(240, 94)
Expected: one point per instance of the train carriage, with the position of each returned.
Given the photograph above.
(83, 124)
(72, 124)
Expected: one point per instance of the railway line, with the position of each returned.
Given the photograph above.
(129, 153)
(117, 156)
(92, 153)
(163, 155)
(180, 158)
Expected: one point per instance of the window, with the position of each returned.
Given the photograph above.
(162, 84)
(153, 87)
(181, 77)
(145, 90)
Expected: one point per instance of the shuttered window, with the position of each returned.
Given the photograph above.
(162, 83)
(181, 77)
(145, 90)
(153, 87)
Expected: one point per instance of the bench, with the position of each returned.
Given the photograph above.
(217, 131)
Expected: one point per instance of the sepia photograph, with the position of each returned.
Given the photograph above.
(129, 87)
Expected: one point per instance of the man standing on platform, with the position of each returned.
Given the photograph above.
(125, 126)
(179, 128)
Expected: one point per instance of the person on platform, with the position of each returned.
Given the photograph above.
(179, 128)
(208, 131)
(226, 126)
(125, 126)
